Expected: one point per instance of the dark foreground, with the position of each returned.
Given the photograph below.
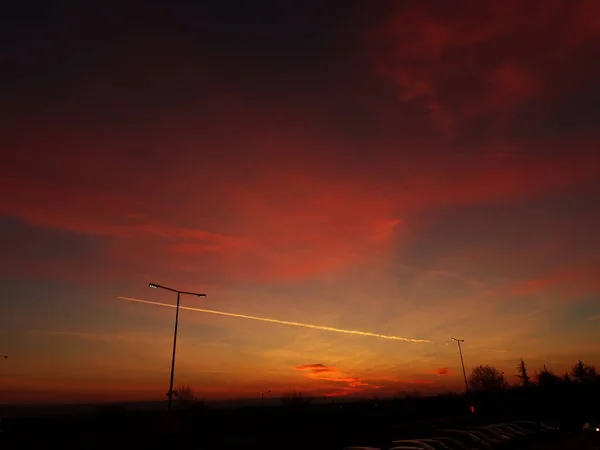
(327, 427)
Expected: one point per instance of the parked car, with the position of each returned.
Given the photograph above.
(467, 438)
(494, 439)
(504, 430)
(517, 429)
(362, 448)
(434, 443)
(451, 443)
(495, 434)
(406, 448)
(414, 442)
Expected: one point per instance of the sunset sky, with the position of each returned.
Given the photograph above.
(423, 169)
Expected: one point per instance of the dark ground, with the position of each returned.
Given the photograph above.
(327, 427)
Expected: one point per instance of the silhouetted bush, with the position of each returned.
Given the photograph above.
(486, 378)
(295, 399)
(187, 397)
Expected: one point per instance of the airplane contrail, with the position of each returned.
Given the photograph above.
(282, 322)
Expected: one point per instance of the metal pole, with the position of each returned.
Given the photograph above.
(179, 293)
(170, 393)
(462, 363)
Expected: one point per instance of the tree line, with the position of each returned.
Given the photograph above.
(489, 378)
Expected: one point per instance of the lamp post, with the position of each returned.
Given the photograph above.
(179, 293)
(458, 341)
(262, 398)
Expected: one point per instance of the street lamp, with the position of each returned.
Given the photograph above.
(262, 398)
(458, 341)
(179, 293)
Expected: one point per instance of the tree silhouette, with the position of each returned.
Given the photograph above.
(486, 378)
(583, 373)
(546, 378)
(522, 374)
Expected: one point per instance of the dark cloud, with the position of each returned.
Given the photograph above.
(488, 60)
(315, 368)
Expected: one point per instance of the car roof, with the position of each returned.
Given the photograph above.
(408, 441)
(432, 441)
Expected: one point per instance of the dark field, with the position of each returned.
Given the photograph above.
(331, 426)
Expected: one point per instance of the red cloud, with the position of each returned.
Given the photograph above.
(321, 372)
(268, 203)
(314, 368)
(272, 235)
(487, 59)
(439, 371)
(325, 376)
(570, 281)
(263, 232)
(535, 286)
